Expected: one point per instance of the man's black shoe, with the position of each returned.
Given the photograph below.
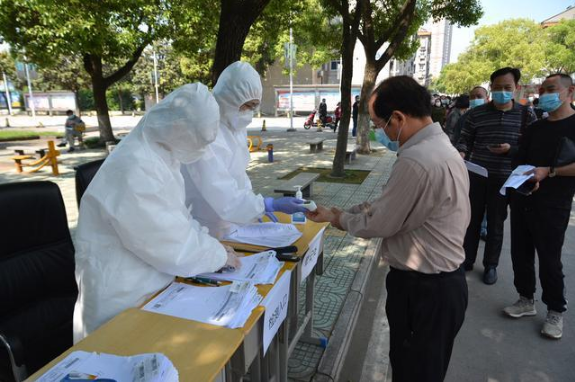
(490, 276)
(467, 266)
(61, 144)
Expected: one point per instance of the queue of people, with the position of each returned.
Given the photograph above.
(500, 135)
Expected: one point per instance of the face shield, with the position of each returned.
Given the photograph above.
(239, 83)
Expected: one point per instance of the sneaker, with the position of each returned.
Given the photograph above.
(61, 144)
(523, 307)
(553, 326)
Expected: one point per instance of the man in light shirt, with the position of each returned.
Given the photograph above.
(421, 217)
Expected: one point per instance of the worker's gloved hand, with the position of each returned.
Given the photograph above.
(287, 205)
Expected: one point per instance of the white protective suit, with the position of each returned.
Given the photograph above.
(217, 185)
(135, 232)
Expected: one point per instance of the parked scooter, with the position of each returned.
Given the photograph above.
(310, 121)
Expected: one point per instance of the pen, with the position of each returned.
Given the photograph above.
(204, 281)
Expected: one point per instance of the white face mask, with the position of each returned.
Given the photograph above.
(244, 119)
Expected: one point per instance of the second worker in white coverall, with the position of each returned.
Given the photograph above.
(217, 185)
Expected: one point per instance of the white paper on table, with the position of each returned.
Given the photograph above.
(310, 258)
(228, 306)
(517, 178)
(476, 169)
(276, 307)
(259, 268)
(265, 234)
(153, 367)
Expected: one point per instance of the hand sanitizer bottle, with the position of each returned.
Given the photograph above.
(298, 217)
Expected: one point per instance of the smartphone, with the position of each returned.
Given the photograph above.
(526, 188)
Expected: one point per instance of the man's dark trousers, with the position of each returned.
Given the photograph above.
(538, 223)
(425, 313)
(485, 197)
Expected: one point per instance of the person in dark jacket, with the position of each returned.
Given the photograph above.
(354, 114)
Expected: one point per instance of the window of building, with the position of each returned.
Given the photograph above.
(335, 64)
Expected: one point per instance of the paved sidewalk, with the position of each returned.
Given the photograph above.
(343, 253)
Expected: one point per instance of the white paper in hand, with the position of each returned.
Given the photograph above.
(517, 178)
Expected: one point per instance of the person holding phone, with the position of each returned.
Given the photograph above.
(490, 139)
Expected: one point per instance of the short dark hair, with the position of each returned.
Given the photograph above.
(535, 101)
(69, 112)
(401, 93)
(462, 102)
(479, 87)
(565, 78)
(503, 71)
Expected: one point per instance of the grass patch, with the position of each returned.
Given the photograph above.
(351, 176)
(94, 143)
(16, 135)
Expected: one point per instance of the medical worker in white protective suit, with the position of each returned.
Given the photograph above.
(134, 232)
(217, 185)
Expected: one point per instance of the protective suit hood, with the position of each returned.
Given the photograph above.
(238, 84)
(183, 123)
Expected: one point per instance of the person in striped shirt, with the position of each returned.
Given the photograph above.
(490, 139)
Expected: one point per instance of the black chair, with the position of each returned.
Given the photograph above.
(84, 175)
(37, 283)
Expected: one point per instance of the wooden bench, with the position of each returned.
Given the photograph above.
(304, 179)
(350, 155)
(21, 150)
(316, 145)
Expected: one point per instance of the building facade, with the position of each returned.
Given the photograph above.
(441, 35)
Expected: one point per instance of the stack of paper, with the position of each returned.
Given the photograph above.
(81, 365)
(229, 306)
(517, 178)
(260, 268)
(265, 234)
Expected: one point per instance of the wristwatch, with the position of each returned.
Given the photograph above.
(552, 173)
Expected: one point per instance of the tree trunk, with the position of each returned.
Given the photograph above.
(77, 99)
(93, 65)
(370, 76)
(236, 19)
(104, 125)
(347, 48)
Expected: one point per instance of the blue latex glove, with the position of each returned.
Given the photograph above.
(287, 205)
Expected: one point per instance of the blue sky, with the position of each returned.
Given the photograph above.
(495, 11)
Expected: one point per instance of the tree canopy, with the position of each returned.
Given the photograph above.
(519, 43)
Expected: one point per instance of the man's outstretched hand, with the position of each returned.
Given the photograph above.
(322, 214)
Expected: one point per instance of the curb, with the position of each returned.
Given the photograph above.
(333, 358)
